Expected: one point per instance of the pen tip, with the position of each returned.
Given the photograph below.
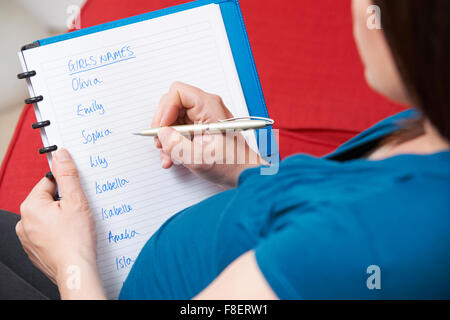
(136, 134)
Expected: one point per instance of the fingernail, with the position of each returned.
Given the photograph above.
(62, 155)
(165, 163)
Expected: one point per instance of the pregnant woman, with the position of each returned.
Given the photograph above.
(370, 220)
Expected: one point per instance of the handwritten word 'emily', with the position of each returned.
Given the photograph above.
(126, 235)
(94, 136)
(93, 108)
(116, 211)
(117, 183)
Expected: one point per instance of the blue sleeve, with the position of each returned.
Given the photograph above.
(318, 256)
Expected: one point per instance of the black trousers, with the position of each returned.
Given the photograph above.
(19, 278)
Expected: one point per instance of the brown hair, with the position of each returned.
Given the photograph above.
(418, 34)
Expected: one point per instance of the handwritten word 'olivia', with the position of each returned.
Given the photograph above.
(80, 84)
(125, 235)
(95, 135)
(117, 183)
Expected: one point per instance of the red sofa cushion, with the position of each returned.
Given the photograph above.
(310, 72)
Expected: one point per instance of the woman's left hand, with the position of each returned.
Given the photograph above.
(59, 236)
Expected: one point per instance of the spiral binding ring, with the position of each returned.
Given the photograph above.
(27, 74)
(41, 124)
(34, 99)
(47, 149)
(49, 175)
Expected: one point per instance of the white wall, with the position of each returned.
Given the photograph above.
(22, 22)
(51, 13)
(17, 28)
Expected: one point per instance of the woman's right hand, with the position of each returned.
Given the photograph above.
(219, 158)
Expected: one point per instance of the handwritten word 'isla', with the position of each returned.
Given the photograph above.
(80, 83)
(96, 61)
(98, 162)
(116, 211)
(94, 108)
(95, 135)
(123, 262)
(117, 183)
(125, 235)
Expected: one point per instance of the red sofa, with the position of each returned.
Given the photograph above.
(310, 72)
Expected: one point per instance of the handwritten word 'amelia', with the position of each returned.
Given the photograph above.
(125, 235)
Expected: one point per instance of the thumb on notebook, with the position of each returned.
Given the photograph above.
(66, 175)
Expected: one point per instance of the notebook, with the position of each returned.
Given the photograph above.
(92, 88)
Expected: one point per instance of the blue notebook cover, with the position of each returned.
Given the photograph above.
(240, 48)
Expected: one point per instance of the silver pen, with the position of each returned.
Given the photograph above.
(244, 123)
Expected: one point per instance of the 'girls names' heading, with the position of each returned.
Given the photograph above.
(83, 64)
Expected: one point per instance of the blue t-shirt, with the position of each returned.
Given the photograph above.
(337, 227)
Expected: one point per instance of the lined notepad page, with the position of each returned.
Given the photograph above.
(100, 88)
